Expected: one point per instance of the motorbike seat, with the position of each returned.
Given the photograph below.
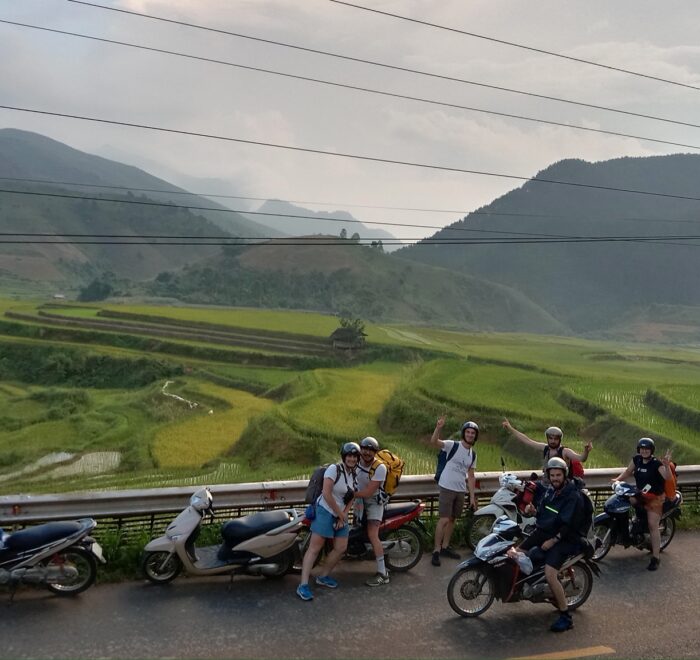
(242, 529)
(399, 509)
(35, 537)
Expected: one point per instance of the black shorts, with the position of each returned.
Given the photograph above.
(553, 557)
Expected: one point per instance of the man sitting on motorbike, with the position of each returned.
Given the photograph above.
(370, 501)
(650, 473)
(555, 538)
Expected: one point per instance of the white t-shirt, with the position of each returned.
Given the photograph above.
(340, 487)
(454, 476)
(363, 476)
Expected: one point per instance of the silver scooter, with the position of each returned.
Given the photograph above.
(264, 543)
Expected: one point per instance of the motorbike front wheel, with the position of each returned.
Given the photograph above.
(160, 567)
(667, 528)
(602, 541)
(79, 559)
(471, 592)
(477, 528)
(577, 581)
(407, 550)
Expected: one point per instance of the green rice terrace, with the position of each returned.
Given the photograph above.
(130, 396)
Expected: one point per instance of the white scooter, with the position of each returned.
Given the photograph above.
(510, 500)
(264, 543)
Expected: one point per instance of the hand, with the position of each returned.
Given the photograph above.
(588, 446)
(506, 424)
(548, 544)
(667, 457)
(530, 509)
(473, 504)
(440, 422)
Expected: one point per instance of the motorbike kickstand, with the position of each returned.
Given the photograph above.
(230, 582)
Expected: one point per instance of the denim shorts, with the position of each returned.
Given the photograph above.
(323, 524)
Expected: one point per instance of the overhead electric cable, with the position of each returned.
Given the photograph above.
(338, 154)
(514, 44)
(356, 88)
(385, 65)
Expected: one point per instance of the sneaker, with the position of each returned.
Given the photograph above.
(435, 561)
(449, 552)
(378, 580)
(327, 581)
(653, 564)
(564, 622)
(304, 592)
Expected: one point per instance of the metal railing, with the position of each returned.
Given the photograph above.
(151, 505)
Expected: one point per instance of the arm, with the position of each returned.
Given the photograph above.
(435, 438)
(571, 454)
(471, 480)
(521, 436)
(665, 470)
(371, 489)
(328, 484)
(629, 471)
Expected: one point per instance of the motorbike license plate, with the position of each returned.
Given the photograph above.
(97, 551)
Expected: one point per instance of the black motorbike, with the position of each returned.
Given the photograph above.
(620, 524)
(60, 556)
(491, 573)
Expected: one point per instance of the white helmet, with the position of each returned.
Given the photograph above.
(555, 432)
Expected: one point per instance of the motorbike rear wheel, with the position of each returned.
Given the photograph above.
(408, 549)
(602, 540)
(577, 581)
(286, 562)
(160, 567)
(477, 528)
(667, 528)
(83, 562)
(471, 592)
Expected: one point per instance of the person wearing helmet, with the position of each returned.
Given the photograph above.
(370, 501)
(458, 470)
(650, 475)
(555, 538)
(552, 447)
(331, 521)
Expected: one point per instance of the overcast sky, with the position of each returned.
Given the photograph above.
(69, 75)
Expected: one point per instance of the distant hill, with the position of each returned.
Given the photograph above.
(588, 286)
(25, 155)
(354, 280)
(317, 223)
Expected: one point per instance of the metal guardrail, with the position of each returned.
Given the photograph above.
(146, 504)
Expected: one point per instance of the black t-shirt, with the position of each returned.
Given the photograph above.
(648, 473)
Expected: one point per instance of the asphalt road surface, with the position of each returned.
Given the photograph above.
(631, 613)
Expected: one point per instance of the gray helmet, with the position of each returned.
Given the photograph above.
(469, 425)
(556, 463)
(350, 448)
(554, 431)
(646, 443)
(369, 443)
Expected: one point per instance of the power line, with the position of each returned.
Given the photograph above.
(385, 65)
(338, 154)
(517, 45)
(356, 88)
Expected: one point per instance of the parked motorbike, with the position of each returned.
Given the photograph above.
(491, 574)
(59, 555)
(263, 543)
(401, 534)
(619, 524)
(510, 500)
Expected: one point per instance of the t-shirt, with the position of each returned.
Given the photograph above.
(454, 476)
(648, 473)
(340, 487)
(363, 476)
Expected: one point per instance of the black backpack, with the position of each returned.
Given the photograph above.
(444, 457)
(315, 487)
(582, 523)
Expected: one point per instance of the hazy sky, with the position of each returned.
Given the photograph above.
(69, 75)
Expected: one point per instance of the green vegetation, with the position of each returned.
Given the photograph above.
(90, 409)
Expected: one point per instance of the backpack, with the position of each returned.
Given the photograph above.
(315, 487)
(394, 470)
(575, 467)
(670, 484)
(443, 458)
(582, 522)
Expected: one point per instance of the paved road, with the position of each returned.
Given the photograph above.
(409, 618)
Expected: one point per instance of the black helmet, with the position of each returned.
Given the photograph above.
(646, 443)
(469, 425)
(350, 448)
(369, 443)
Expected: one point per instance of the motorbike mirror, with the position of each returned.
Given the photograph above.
(503, 464)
